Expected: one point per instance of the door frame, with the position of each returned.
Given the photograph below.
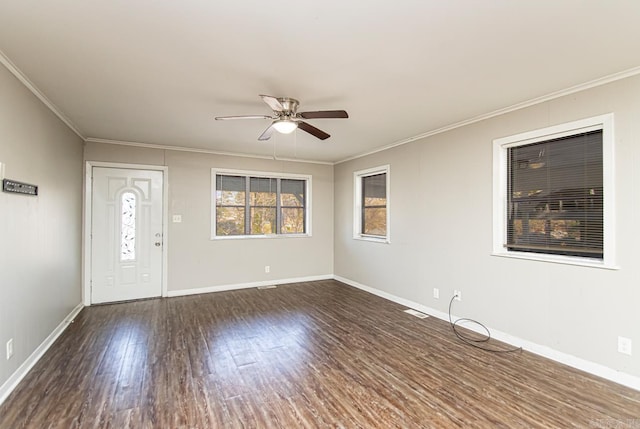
(87, 201)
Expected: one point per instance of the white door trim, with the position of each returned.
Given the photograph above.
(86, 221)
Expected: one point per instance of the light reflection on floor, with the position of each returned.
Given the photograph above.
(127, 350)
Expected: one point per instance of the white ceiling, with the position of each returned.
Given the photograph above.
(157, 72)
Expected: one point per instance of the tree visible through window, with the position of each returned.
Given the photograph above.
(262, 203)
(230, 205)
(292, 206)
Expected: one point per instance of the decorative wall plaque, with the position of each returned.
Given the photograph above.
(15, 187)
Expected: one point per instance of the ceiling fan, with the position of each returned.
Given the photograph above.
(286, 117)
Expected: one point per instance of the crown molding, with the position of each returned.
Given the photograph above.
(206, 151)
(548, 97)
(34, 89)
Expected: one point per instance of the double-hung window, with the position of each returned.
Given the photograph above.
(252, 204)
(371, 204)
(552, 195)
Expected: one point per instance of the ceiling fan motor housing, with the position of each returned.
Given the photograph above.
(289, 107)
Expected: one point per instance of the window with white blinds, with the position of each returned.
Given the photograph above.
(553, 196)
(250, 205)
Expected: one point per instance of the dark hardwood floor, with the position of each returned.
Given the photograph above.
(308, 355)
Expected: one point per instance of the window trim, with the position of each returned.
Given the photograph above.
(357, 203)
(500, 171)
(262, 174)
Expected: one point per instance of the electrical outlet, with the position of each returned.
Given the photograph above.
(436, 293)
(177, 218)
(458, 295)
(624, 345)
(9, 348)
(267, 269)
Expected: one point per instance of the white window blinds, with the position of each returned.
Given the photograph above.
(555, 196)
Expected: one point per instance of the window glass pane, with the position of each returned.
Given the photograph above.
(230, 183)
(128, 227)
(374, 187)
(230, 202)
(230, 198)
(230, 220)
(230, 190)
(262, 199)
(375, 221)
(292, 193)
(374, 204)
(555, 196)
(263, 191)
(263, 220)
(292, 221)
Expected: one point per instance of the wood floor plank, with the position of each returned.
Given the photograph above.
(312, 355)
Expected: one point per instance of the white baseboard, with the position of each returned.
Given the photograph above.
(19, 374)
(235, 286)
(544, 351)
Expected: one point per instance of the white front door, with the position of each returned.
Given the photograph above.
(126, 234)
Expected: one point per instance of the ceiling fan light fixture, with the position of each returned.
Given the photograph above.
(285, 126)
(286, 118)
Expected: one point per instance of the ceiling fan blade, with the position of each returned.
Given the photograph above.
(324, 114)
(266, 135)
(313, 130)
(227, 118)
(273, 102)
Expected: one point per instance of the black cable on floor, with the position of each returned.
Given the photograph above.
(475, 342)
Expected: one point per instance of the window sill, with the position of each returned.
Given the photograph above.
(557, 259)
(254, 237)
(374, 239)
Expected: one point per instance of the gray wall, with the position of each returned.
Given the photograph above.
(441, 235)
(195, 261)
(40, 237)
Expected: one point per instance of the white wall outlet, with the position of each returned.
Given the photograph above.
(436, 293)
(624, 345)
(458, 295)
(9, 348)
(267, 269)
(177, 218)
